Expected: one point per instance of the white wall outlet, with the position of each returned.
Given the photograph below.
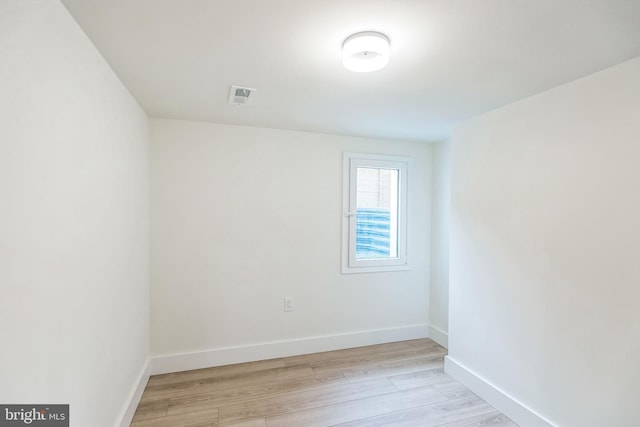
(288, 304)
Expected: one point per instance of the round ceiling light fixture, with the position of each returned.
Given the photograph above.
(365, 52)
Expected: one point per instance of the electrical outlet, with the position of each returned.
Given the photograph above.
(288, 304)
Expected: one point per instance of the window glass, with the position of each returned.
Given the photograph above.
(376, 213)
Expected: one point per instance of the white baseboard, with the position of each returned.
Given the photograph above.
(508, 405)
(163, 364)
(439, 336)
(135, 394)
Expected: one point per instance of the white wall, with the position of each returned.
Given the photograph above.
(544, 250)
(73, 220)
(242, 217)
(440, 213)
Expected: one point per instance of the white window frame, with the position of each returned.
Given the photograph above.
(350, 163)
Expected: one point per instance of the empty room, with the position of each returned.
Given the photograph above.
(261, 213)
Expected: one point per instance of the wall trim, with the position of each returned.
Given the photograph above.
(502, 401)
(439, 336)
(131, 404)
(163, 364)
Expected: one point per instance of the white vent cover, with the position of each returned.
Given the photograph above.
(239, 95)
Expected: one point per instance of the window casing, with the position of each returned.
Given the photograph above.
(374, 231)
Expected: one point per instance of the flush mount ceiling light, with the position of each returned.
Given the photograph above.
(365, 52)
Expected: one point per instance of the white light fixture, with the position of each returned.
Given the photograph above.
(365, 52)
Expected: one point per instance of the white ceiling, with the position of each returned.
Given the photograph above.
(451, 59)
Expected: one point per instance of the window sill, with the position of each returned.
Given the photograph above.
(374, 269)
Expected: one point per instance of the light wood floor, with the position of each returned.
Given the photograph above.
(397, 384)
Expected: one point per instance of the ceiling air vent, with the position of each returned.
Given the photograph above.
(239, 95)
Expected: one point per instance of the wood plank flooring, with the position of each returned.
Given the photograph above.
(396, 384)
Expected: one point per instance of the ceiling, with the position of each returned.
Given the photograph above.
(451, 59)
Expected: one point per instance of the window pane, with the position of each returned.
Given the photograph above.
(376, 213)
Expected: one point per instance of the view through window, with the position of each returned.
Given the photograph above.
(376, 213)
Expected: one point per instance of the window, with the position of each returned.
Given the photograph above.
(374, 231)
